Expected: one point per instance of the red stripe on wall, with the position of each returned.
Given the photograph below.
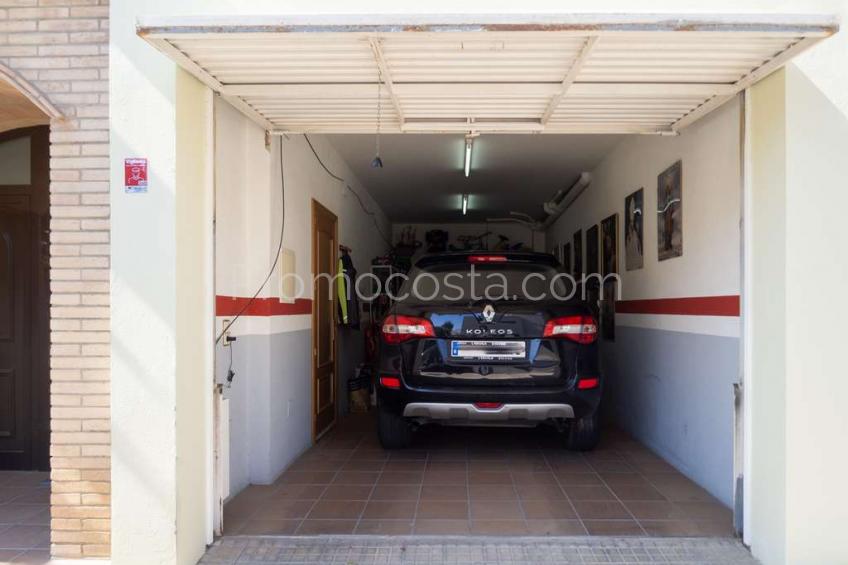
(232, 305)
(691, 306)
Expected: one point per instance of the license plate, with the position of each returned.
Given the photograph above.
(488, 350)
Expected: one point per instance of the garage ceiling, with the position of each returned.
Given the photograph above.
(525, 74)
(422, 178)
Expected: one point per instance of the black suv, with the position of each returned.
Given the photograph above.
(489, 339)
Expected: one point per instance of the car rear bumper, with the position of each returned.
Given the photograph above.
(518, 406)
(453, 411)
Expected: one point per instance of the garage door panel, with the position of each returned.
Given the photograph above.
(575, 74)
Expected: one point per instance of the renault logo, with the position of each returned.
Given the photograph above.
(489, 313)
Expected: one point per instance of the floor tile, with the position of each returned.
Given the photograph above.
(496, 510)
(653, 510)
(356, 478)
(442, 509)
(269, 527)
(307, 477)
(401, 478)
(336, 509)
(636, 492)
(489, 478)
(445, 478)
(396, 492)
(363, 465)
(529, 491)
(548, 508)
(347, 492)
(298, 491)
(588, 493)
(579, 479)
(492, 492)
(600, 509)
(390, 510)
(444, 492)
(284, 509)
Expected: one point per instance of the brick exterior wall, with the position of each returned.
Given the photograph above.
(61, 48)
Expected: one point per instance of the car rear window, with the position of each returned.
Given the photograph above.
(471, 282)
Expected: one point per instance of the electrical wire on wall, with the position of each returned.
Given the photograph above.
(368, 212)
(276, 256)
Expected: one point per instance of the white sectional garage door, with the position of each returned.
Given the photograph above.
(531, 74)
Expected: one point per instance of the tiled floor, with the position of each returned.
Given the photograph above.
(24, 517)
(461, 481)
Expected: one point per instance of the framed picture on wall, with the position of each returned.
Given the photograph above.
(670, 212)
(577, 265)
(592, 250)
(633, 225)
(566, 258)
(609, 245)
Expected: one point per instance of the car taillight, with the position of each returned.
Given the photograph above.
(390, 382)
(397, 329)
(487, 259)
(580, 329)
(588, 383)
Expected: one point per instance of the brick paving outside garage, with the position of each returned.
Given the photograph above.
(24, 517)
(473, 481)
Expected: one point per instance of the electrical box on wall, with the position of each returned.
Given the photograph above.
(288, 277)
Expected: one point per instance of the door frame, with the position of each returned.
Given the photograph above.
(38, 195)
(318, 208)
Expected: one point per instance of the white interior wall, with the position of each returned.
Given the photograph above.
(271, 395)
(669, 377)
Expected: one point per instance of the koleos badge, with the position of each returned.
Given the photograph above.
(489, 313)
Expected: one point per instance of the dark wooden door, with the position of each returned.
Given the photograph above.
(324, 224)
(24, 308)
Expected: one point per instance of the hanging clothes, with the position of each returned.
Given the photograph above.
(348, 303)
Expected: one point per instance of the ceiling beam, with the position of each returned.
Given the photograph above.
(349, 91)
(385, 74)
(570, 77)
(748, 80)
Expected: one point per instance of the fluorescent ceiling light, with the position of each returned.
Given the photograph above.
(464, 204)
(468, 142)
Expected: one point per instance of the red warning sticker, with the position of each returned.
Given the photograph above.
(135, 174)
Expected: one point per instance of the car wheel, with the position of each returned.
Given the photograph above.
(584, 433)
(394, 432)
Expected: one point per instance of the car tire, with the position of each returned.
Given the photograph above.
(394, 432)
(584, 433)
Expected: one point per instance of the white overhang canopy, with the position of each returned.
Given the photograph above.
(516, 74)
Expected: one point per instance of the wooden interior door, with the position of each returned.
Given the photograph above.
(324, 262)
(24, 300)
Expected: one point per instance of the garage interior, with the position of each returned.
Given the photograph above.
(303, 113)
